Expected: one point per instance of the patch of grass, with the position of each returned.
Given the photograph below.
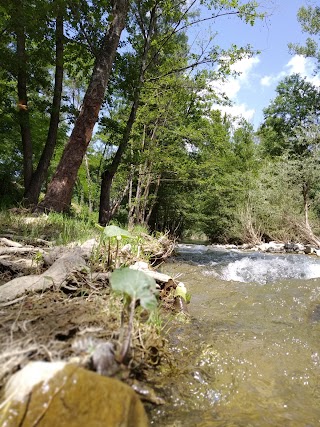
(60, 228)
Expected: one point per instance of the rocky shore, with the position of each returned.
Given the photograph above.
(277, 247)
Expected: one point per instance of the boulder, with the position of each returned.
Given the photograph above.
(271, 247)
(309, 250)
(275, 247)
(66, 395)
(294, 247)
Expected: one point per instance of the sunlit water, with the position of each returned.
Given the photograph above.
(250, 356)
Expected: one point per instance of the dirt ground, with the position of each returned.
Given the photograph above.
(64, 323)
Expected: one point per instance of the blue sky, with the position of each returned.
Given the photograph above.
(253, 90)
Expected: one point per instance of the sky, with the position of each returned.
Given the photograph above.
(253, 90)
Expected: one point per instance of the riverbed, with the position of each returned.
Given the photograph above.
(250, 353)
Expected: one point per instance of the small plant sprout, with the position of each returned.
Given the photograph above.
(38, 259)
(135, 286)
(111, 232)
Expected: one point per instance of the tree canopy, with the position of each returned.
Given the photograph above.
(107, 107)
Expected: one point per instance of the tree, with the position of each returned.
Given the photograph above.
(167, 126)
(59, 199)
(227, 168)
(303, 169)
(59, 193)
(33, 189)
(296, 99)
(160, 27)
(31, 33)
(147, 28)
(309, 18)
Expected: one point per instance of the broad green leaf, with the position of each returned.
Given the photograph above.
(115, 231)
(181, 291)
(137, 285)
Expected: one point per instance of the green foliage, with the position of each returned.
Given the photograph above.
(283, 202)
(296, 99)
(135, 285)
(309, 19)
(113, 234)
(115, 231)
(186, 167)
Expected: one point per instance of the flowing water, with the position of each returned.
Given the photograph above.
(250, 354)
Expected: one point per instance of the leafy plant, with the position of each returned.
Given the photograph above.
(135, 286)
(113, 232)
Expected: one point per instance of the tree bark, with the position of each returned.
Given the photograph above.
(33, 191)
(59, 193)
(105, 211)
(305, 193)
(155, 194)
(23, 112)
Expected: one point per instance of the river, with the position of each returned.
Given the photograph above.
(250, 353)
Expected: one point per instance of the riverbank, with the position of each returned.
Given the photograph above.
(269, 247)
(56, 303)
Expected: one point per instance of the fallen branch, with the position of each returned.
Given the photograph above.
(25, 240)
(8, 242)
(54, 276)
(23, 250)
(14, 267)
(158, 277)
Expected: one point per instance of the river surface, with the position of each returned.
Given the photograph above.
(250, 353)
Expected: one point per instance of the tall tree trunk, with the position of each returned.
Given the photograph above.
(138, 209)
(59, 193)
(89, 182)
(105, 211)
(155, 194)
(23, 112)
(133, 206)
(33, 191)
(130, 222)
(305, 193)
(145, 199)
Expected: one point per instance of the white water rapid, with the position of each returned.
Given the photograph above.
(239, 266)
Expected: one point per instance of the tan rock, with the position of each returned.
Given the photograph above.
(69, 396)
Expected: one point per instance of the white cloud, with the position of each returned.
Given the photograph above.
(303, 66)
(237, 110)
(272, 79)
(245, 66)
(297, 65)
(266, 81)
(232, 86)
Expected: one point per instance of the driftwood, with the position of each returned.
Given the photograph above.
(64, 260)
(23, 250)
(14, 266)
(54, 276)
(69, 260)
(158, 277)
(26, 240)
(8, 242)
